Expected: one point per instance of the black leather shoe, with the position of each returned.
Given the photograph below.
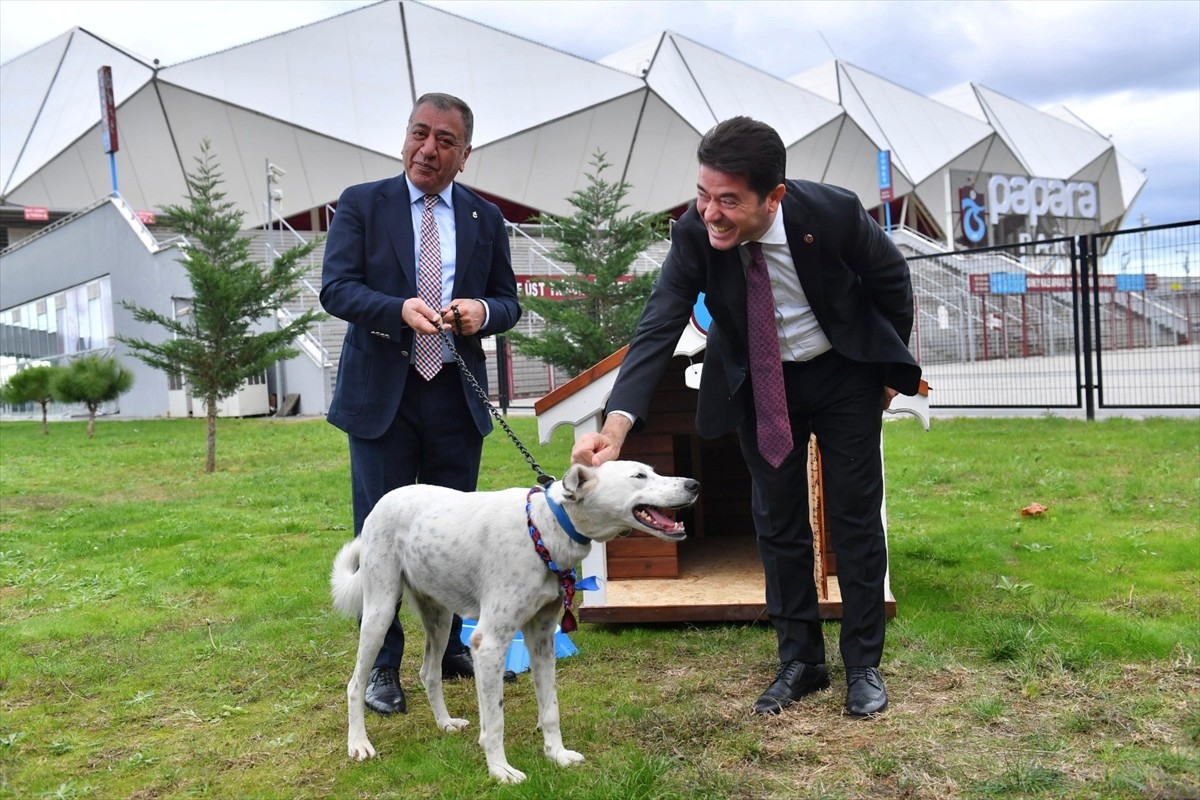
(794, 680)
(384, 693)
(865, 694)
(461, 665)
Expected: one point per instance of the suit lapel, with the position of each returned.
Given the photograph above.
(466, 232)
(804, 243)
(727, 281)
(395, 208)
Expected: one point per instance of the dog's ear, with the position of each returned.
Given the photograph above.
(578, 482)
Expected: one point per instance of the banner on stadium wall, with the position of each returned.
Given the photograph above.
(994, 209)
(1025, 283)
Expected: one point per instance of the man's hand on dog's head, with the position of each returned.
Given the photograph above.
(593, 449)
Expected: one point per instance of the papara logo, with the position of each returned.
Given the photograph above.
(1032, 198)
(972, 209)
(1039, 197)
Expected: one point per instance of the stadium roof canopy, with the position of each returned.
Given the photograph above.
(329, 101)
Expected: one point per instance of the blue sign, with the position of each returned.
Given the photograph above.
(885, 175)
(1006, 282)
(1131, 283)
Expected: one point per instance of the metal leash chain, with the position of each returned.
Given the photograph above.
(543, 478)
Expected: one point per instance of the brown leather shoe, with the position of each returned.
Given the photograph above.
(384, 694)
(865, 694)
(794, 680)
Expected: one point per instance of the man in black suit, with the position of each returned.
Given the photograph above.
(840, 308)
(410, 414)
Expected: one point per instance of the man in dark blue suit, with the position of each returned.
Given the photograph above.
(837, 307)
(412, 419)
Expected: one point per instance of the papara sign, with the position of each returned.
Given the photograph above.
(1040, 197)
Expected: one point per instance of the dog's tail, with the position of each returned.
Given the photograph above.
(345, 580)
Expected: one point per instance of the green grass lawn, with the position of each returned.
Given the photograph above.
(167, 633)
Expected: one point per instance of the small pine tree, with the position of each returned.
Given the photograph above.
(601, 302)
(91, 380)
(32, 385)
(213, 347)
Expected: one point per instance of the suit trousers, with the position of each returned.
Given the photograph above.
(433, 440)
(839, 400)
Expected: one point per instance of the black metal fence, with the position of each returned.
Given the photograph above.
(1107, 320)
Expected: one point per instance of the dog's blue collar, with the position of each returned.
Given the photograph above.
(563, 520)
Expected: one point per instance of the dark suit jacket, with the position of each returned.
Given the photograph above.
(854, 277)
(368, 273)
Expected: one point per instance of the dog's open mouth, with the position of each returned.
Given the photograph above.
(659, 520)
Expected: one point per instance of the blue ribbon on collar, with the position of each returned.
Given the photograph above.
(563, 520)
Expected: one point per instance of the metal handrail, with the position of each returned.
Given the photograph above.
(53, 226)
(536, 249)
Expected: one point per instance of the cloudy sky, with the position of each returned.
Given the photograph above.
(1129, 68)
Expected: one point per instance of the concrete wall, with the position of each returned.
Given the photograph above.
(108, 240)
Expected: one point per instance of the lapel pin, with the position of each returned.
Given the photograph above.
(474, 215)
(808, 238)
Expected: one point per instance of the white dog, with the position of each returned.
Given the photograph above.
(503, 558)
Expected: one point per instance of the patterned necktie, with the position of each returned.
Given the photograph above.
(766, 367)
(427, 350)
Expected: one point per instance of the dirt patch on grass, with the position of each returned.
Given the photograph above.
(958, 732)
(38, 502)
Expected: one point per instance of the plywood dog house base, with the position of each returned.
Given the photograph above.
(715, 574)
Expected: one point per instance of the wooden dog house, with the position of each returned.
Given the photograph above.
(715, 574)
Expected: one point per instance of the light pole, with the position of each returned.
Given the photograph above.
(274, 173)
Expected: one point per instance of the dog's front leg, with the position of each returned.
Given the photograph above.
(539, 639)
(488, 648)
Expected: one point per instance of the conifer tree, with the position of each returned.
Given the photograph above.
(31, 385)
(602, 301)
(91, 380)
(215, 347)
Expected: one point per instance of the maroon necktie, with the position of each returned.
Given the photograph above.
(766, 367)
(427, 350)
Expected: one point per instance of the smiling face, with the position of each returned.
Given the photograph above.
(435, 147)
(731, 210)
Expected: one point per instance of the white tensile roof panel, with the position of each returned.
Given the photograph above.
(317, 167)
(1050, 147)
(662, 166)
(821, 80)
(732, 88)
(542, 166)
(988, 156)
(147, 164)
(72, 102)
(329, 103)
(511, 84)
(1133, 179)
(636, 58)
(810, 158)
(24, 83)
(345, 77)
(864, 120)
(671, 79)
(962, 98)
(853, 165)
(922, 134)
(1105, 173)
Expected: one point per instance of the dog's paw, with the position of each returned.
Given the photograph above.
(503, 773)
(361, 749)
(453, 725)
(564, 757)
